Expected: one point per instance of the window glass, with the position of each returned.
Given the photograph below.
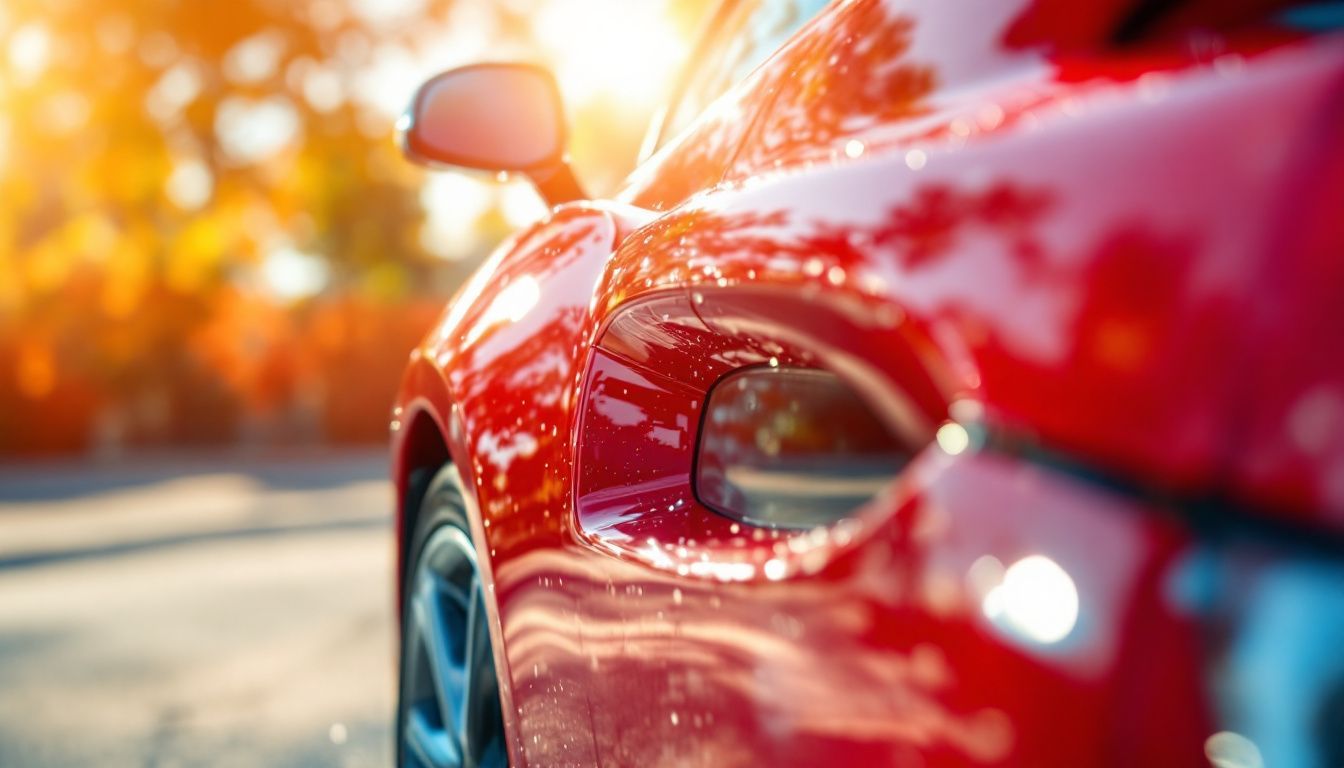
(746, 37)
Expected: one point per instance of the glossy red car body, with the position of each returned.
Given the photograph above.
(1119, 266)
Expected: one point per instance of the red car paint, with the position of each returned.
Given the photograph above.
(1121, 264)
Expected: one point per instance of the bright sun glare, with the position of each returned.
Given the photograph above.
(626, 50)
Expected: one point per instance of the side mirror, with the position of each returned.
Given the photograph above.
(492, 117)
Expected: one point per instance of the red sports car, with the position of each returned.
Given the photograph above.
(953, 383)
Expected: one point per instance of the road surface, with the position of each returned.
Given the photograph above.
(223, 611)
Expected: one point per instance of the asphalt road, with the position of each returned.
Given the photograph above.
(223, 611)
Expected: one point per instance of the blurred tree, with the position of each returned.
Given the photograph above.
(206, 230)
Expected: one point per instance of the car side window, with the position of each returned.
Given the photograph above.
(750, 32)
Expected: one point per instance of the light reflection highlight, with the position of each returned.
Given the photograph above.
(953, 438)
(1036, 600)
(1226, 749)
(510, 305)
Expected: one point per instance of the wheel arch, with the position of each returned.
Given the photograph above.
(428, 433)
(423, 451)
(423, 437)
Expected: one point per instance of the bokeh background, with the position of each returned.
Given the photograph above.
(207, 234)
(213, 265)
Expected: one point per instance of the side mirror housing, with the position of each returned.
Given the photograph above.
(492, 117)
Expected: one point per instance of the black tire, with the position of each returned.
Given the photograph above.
(436, 728)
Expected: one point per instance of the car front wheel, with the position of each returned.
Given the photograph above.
(448, 711)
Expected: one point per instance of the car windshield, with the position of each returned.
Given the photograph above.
(742, 38)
